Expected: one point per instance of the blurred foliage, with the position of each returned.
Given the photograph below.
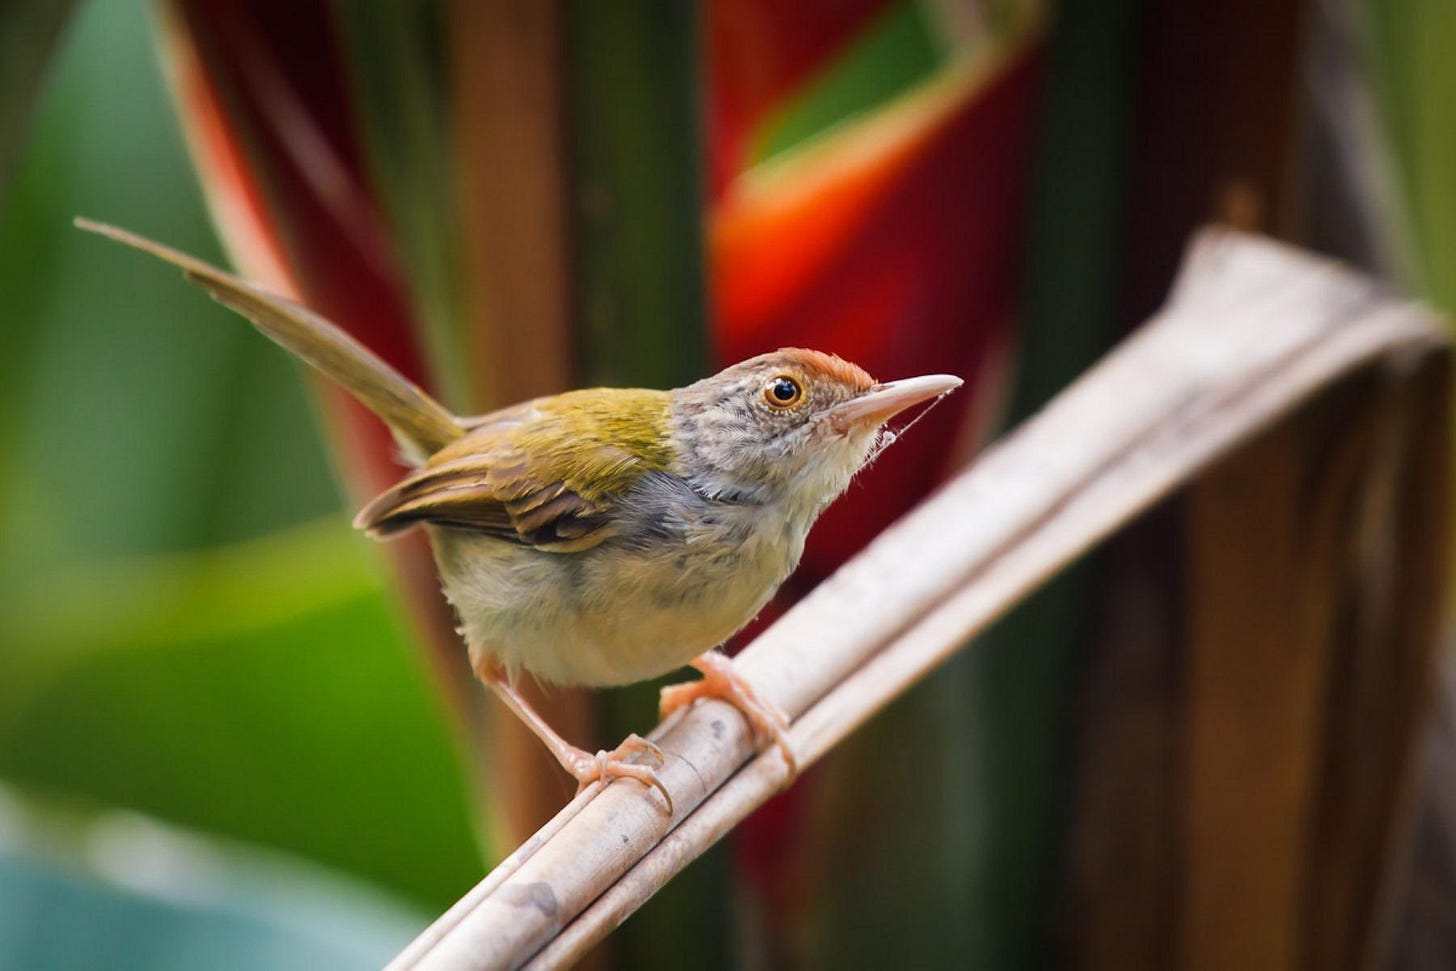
(884, 59)
(977, 850)
(120, 891)
(50, 920)
(637, 191)
(193, 632)
(185, 635)
(1411, 42)
(395, 56)
(29, 30)
(637, 214)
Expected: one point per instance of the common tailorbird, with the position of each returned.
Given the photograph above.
(609, 535)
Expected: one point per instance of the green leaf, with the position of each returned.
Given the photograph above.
(29, 32)
(636, 131)
(133, 894)
(261, 691)
(135, 415)
(1410, 45)
(165, 647)
(893, 53)
(396, 56)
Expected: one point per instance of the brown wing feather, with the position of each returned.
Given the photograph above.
(473, 498)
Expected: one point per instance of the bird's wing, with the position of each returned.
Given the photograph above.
(546, 474)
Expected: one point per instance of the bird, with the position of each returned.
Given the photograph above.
(605, 536)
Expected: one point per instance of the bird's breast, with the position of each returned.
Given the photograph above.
(630, 609)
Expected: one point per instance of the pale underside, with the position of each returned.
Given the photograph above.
(616, 613)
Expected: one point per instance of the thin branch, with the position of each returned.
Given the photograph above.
(1254, 330)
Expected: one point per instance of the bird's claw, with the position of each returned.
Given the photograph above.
(605, 766)
(720, 680)
(635, 744)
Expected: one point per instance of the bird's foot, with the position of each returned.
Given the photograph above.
(721, 680)
(605, 766)
(583, 766)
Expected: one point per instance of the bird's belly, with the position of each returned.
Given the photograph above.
(605, 616)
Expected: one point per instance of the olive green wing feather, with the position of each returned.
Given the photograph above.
(546, 474)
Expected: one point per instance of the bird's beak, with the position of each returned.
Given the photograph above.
(884, 401)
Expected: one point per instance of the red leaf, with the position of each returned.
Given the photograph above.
(902, 258)
(758, 51)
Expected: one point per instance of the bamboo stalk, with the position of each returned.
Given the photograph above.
(1254, 329)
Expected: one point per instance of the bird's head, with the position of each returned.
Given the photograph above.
(791, 426)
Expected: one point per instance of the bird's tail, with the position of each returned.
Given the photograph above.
(419, 421)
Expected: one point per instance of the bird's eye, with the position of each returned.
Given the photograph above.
(783, 392)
